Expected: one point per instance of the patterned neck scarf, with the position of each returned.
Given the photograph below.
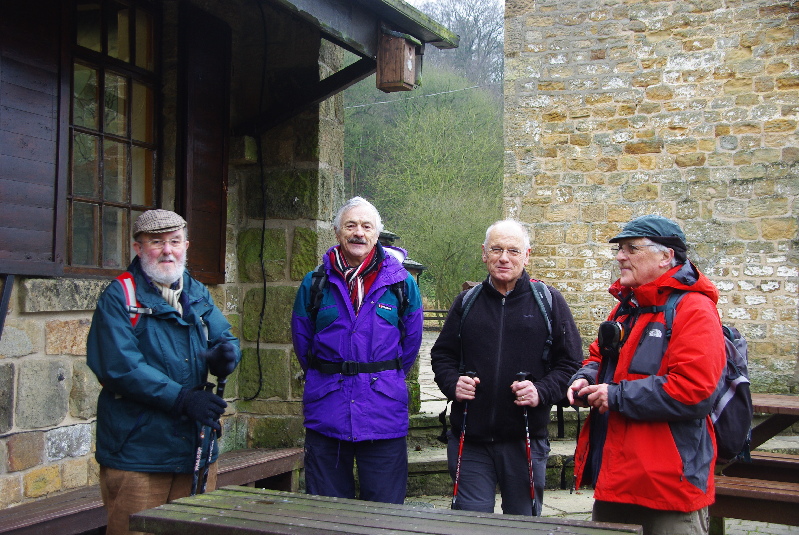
(359, 279)
(171, 294)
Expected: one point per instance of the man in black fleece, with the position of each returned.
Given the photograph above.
(503, 334)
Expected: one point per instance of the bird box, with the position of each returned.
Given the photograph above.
(396, 64)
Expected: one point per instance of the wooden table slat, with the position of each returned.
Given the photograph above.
(238, 510)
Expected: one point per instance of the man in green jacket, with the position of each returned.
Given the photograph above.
(155, 337)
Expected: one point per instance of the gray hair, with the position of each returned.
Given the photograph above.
(512, 222)
(352, 203)
(663, 249)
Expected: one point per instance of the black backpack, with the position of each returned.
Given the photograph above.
(732, 408)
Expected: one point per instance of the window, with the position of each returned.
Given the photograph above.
(113, 135)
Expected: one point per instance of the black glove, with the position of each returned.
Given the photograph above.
(221, 359)
(201, 405)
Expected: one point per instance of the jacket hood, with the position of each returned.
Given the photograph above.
(685, 277)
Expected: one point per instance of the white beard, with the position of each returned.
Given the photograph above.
(163, 272)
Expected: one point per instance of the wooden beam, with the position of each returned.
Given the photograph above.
(335, 83)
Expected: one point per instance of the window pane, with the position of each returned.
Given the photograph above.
(114, 239)
(142, 174)
(87, 20)
(116, 99)
(118, 31)
(84, 234)
(145, 50)
(142, 115)
(85, 97)
(85, 165)
(115, 171)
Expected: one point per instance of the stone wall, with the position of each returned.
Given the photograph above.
(618, 108)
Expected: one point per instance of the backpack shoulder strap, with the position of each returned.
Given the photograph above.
(400, 289)
(543, 297)
(671, 308)
(318, 283)
(132, 305)
(466, 305)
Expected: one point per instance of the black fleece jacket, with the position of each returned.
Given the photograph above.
(502, 336)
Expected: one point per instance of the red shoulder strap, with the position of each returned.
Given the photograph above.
(129, 289)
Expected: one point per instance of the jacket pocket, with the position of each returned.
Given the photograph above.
(391, 383)
(649, 353)
(388, 310)
(127, 422)
(319, 385)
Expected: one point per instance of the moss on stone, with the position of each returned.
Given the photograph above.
(276, 326)
(303, 253)
(274, 255)
(277, 432)
(290, 194)
(270, 379)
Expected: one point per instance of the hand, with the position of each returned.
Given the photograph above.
(572, 393)
(526, 393)
(466, 387)
(221, 359)
(201, 405)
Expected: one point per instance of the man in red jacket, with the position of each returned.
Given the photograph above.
(648, 448)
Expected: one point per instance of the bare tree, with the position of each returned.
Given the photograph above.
(480, 25)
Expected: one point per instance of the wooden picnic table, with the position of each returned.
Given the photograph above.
(783, 410)
(766, 489)
(237, 510)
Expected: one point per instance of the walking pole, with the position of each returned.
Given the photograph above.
(521, 376)
(460, 445)
(220, 391)
(196, 477)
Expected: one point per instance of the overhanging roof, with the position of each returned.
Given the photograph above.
(355, 24)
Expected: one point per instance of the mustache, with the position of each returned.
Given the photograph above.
(167, 258)
(357, 240)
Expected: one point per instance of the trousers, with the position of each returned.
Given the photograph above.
(654, 521)
(125, 493)
(382, 467)
(484, 465)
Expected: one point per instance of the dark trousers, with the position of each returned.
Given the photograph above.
(484, 465)
(382, 468)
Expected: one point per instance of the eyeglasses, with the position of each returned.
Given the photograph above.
(629, 248)
(175, 243)
(497, 251)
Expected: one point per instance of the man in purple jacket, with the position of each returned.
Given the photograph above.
(357, 328)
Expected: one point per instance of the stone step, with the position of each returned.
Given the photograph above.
(428, 474)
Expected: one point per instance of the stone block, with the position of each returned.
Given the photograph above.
(304, 256)
(272, 377)
(66, 337)
(274, 255)
(10, 490)
(60, 295)
(276, 326)
(276, 432)
(70, 441)
(15, 343)
(42, 481)
(74, 474)
(652, 146)
(43, 395)
(25, 450)
(290, 194)
(6, 397)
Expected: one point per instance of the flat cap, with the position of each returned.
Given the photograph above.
(158, 221)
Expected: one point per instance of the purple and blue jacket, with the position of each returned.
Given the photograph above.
(366, 405)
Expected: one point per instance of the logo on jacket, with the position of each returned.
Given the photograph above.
(385, 306)
(655, 333)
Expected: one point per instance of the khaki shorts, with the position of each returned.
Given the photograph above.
(125, 493)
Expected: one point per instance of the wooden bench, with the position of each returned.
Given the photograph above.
(81, 510)
(756, 499)
(767, 465)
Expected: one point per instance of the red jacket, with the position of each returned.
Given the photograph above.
(660, 449)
